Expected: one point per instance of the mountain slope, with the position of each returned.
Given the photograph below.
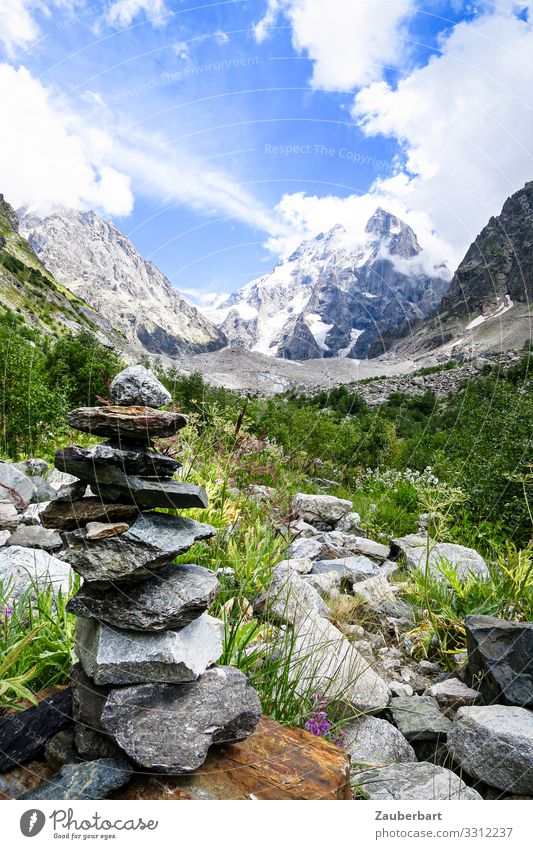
(28, 289)
(488, 305)
(333, 297)
(99, 263)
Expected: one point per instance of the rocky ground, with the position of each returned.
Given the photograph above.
(417, 732)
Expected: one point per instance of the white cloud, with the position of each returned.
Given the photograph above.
(349, 41)
(465, 122)
(173, 176)
(17, 27)
(123, 12)
(47, 159)
(306, 215)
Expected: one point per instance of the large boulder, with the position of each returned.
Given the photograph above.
(152, 540)
(321, 509)
(465, 561)
(25, 568)
(136, 386)
(370, 740)
(171, 599)
(170, 727)
(111, 656)
(495, 744)
(15, 487)
(500, 659)
(413, 781)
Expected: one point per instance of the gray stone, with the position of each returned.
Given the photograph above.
(370, 740)
(302, 530)
(112, 656)
(495, 744)
(173, 598)
(32, 467)
(136, 386)
(89, 781)
(299, 564)
(453, 693)
(43, 490)
(350, 568)
(289, 599)
(147, 493)
(465, 561)
(88, 700)
(138, 423)
(368, 547)
(57, 479)
(328, 584)
(68, 492)
(419, 718)
(102, 461)
(15, 487)
(59, 750)
(379, 596)
(75, 514)
(35, 536)
(320, 508)
(4, 536)
(22, 568)
(9, 516)
(500, 659)
(413, 781)
(32, 514)
(153, 540)
(169, 727)
(349, 524)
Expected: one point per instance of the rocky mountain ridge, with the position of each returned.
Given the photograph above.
(335, 297)
(97, 262)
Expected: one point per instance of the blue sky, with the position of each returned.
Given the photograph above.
(219, 135)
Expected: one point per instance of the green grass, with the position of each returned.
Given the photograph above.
(36, 642)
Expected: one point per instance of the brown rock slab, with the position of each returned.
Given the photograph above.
(138, 423)
(24, 778)
(102, 530)
(275, 762)
(65, 516)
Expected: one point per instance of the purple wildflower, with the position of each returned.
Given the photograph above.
(318, 723)
(8, 611)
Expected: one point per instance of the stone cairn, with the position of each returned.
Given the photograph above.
(146, 684)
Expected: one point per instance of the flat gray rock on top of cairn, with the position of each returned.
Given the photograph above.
(141, 424)
(101, 460)
(113, 656)
(171, 599)
(138, 386)
(170, 727)
(152, 540)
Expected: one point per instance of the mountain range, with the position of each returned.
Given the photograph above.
(336, 297)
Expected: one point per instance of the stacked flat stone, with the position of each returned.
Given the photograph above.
(146, 682)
